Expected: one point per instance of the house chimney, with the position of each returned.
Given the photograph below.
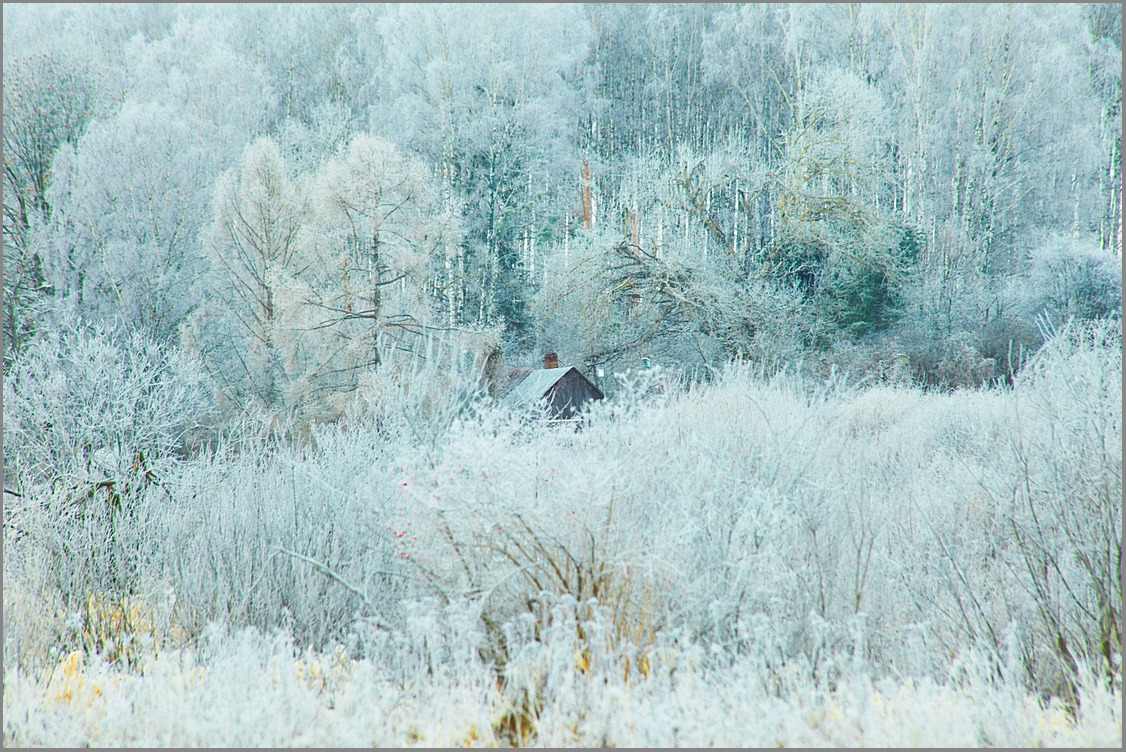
(550, 360)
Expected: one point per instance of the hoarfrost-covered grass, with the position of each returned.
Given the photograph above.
(750, 562)
(259, 691)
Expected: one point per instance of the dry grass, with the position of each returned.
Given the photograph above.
(254, 690)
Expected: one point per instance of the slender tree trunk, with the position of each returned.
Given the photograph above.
(587, 208)
(376, 295)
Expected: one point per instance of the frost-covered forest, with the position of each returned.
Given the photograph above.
(849, 277)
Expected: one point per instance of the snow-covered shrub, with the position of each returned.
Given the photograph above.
(418, 391)
(1064, 503)
(1012, 545)
(93, 417)
(87, 401)
(275, 536)
(1074, 278)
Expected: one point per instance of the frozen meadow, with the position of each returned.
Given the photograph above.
(755, 561)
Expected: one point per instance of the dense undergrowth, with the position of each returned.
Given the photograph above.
(754, 561)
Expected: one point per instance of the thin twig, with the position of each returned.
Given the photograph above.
(327, 572)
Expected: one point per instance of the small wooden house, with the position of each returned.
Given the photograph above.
(563, 390)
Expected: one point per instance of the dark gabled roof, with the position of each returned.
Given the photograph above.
(528, 386)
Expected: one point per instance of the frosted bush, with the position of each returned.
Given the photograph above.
(1066, 514)
(93, 417)
(84, 402)
(1074, 277)
(277, 519)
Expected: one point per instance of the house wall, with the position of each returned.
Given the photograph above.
(569, 394)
